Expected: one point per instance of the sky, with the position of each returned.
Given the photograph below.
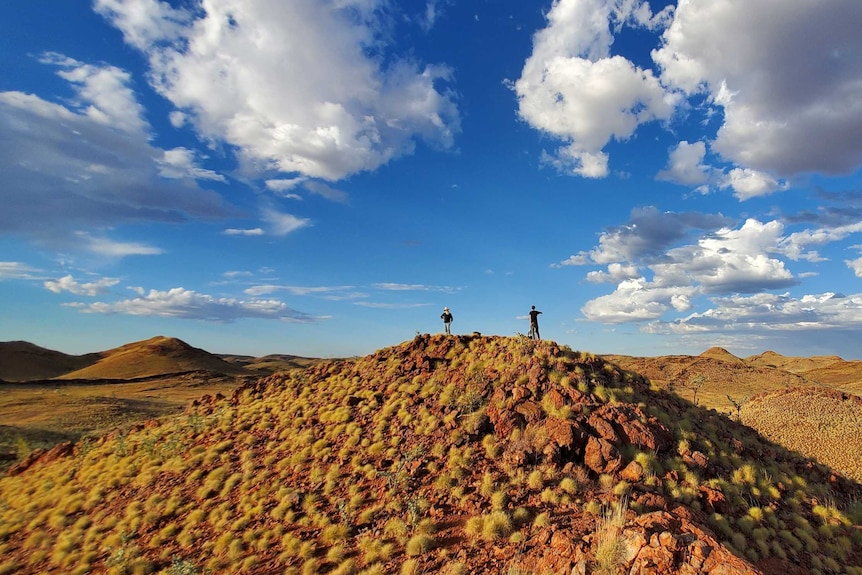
(322, 177)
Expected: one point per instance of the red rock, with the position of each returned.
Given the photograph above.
(601, 456)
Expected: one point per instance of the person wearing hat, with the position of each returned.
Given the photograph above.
(447, 319)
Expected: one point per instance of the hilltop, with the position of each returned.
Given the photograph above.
(452, 455)
(155, 356)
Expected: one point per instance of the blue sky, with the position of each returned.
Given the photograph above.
(321, 177)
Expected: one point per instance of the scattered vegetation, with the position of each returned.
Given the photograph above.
(441, 455)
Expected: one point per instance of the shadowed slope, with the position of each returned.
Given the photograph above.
(24, 361)
(441, 455)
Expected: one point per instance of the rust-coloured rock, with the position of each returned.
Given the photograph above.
(601, 456)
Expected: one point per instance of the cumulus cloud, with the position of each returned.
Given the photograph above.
(189, 304)
(772, 312)
(787, 80)
(856, 266)
(99, 169)
(69, 284)
(723, 261)
(648, 233)
(637, 300)
(572, 88)
(747, 183)
(616, 273)
(685, 165)
(302, 85)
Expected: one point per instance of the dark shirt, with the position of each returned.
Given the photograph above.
(447, 317)
(534, 317)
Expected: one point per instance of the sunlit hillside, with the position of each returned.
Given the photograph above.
(155, 356)
(823, 424)
(449, 455)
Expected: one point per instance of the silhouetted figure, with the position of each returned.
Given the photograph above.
(534, 323)
(447, 319)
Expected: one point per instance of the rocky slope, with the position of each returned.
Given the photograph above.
(479, 455)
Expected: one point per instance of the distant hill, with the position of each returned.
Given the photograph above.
(270, 363)
(800, 365)
(155, 356)
(722, 354)
(449, 455)
(24, 361)
(718, 372)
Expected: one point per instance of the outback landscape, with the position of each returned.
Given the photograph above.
(462, 454)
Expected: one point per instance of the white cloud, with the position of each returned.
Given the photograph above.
(188, 304)
(380, 305)
(747, 183)
(787, 78)
(144, 22)
(572, 88)
(17, 271)
(330, 292)
(281, 224)
(685, 165)
(99, 170)
(114, 249)
(69, 284)
(636, 300)
(391, 286)
(103, 94)
(284, 184)
(726, 261)
(616, 273)
(302, 88)
(795, 245)
(856, 266)
(182, 163)
(245, 232)
(772, 313)
(580, 259)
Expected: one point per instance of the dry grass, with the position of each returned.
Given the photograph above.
(334, 470)
(821, 424)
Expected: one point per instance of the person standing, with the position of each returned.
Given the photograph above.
(534, 322)
(447, 319)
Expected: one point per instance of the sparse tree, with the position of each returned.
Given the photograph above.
(695, 383)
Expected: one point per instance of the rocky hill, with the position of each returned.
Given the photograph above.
(155, 356)
(451, 455)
